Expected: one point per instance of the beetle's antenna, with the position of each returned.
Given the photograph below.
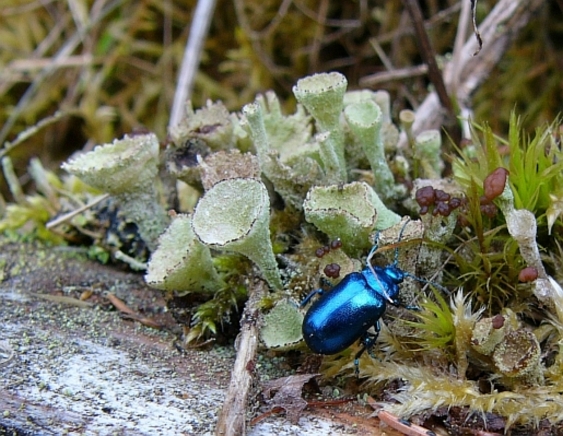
(395, 261)
(370, 266)
(429, 282)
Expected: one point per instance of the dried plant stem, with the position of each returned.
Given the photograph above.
(395, 74)
(428, 54)
(192, 54)
(30, 131)
(12, 181)
(70, 215)
(232, 419)
(498, 31)
(460, 39)
(131, 261)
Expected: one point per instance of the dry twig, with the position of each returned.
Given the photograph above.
(428, 54)
(498, 30)
(128, 313)
(190, 62)
(232, 419)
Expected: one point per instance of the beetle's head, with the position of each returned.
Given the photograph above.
(394, 274)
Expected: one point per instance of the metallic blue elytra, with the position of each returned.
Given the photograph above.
(345, 314)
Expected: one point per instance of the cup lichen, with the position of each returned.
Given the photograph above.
(282, 326)
(127, 169)
(322, 95)
(350, 212)
(365, 119)
(428, 148)
(518, 358)
(406, 119)
(181, 263)
(291, 182)
(224, 165)
(211, 124)
(234, 215)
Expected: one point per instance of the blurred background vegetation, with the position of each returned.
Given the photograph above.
(112, 64)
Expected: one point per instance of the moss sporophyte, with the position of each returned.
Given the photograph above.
(260, 192)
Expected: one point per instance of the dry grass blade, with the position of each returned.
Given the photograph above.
(128, 313)
(120, 305)
(71, 301)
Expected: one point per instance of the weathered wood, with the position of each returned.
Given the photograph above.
(79, 369)
(86, 371)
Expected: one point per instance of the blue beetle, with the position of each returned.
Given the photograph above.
(345, 314)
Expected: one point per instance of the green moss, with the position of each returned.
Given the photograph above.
(535, 164)
(434, 328)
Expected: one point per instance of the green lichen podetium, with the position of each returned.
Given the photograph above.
(234, 216)
(365, 119)
(350, 212)
(181, 263)
(127, 169)
(322, 95)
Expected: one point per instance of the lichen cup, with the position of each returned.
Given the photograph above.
(181, 263)
(127, 169)
(350, 212)
(234, 216)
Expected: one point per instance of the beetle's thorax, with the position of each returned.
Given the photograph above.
(386, 280)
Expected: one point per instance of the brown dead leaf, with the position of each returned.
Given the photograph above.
(288, 394)
(128, 313)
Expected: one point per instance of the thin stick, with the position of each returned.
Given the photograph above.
(12, 180)
(428, 54)
(70, 215)
(30, 131)
(460, 38)
(192, 54)
(475, 29)
(131, 261)
(394, 74)
(232, 419)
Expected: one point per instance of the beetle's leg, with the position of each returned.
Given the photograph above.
(368, 341)
(325, 284)
(311, 295)
(357, 361)
(369, 338)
